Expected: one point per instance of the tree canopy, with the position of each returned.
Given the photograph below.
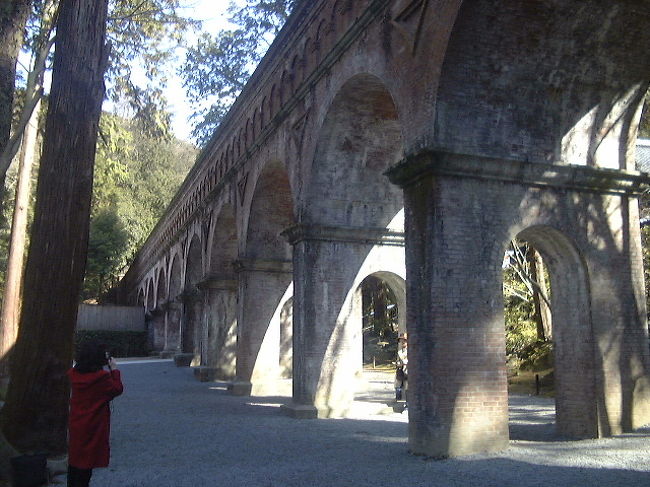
(217, 67)
(136, 175)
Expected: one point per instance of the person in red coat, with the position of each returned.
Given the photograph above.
(93, 388)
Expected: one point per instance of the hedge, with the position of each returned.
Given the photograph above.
(118, 343)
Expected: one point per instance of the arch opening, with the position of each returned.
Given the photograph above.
(221, 297)
(549, 337)
(192, 302)
(359, 140)
(354, 207)
(173, 319)
(265, 275)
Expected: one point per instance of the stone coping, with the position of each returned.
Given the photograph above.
(580, 178)
(248, 264)
(355, 235)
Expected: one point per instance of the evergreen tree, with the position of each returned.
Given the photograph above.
(136, 176)
(217, 68)
(35, 414)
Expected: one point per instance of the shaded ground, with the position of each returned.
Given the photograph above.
(171, 430)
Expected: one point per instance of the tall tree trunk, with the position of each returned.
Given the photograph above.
(542, 311)
(14, 274)
(544, 308)
(35, 414)
(13, 16)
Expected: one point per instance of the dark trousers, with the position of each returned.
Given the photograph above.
(79, 477)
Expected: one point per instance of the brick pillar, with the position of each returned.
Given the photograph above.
(158, 327)
(286, 340)
(219, 328)
(191, 339)
(173, 314)
(460, 213)
(457, 379)
(262, 285)
(327, 327)
(620, 322)
(458, 395)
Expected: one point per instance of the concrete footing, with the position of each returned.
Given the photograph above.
(240, 388)
(206, 374)
(183, 359)
(300, 411)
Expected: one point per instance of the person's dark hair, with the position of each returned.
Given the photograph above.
(91, 356)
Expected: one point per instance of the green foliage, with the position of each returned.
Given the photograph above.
(144, 35)
(521, 330)
(380, 313)
(118, 343)
(218, 67)
(136, 176)
(106, 248)
(524, 349)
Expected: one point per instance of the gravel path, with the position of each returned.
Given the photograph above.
(169, 430)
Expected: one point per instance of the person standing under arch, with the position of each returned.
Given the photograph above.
(401, 372)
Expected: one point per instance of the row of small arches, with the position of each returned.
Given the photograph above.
(293, 76)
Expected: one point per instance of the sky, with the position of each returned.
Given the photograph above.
(214, 16)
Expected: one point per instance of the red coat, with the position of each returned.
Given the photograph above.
(90, 417)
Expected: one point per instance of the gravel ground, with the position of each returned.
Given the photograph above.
(169, 430)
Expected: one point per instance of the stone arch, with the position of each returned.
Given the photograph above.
(335, 12)
(140, 299)
(263, 114)
(255, 130)
(360, 139)
(308, 50)
(347, 212)
(549, 83)
(296, 73)
(273, 102)
(191, 325)
(156, 328)
(265, 275)
(286, 87)
(320, 37)
(224, 244)
(151, 297)
(229, 156)
(237, 144)
(574, 353)
(161, 288)
(340, 12)
(220, 288)
(397, 285)
(173, 319)
(271, 212)
(248, 134)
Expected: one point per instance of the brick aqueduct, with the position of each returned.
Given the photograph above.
(411, 140)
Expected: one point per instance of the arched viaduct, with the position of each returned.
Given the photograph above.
(445, 127)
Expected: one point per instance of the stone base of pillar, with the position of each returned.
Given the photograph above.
(206, 374)
(240, 388)
(299, 411)
(168, 354)
(183, 359)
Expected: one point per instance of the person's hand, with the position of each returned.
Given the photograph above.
(112, 365)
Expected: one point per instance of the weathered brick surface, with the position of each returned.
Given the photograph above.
(456, 309)
(349, 89)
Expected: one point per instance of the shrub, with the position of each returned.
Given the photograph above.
(118, 343)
